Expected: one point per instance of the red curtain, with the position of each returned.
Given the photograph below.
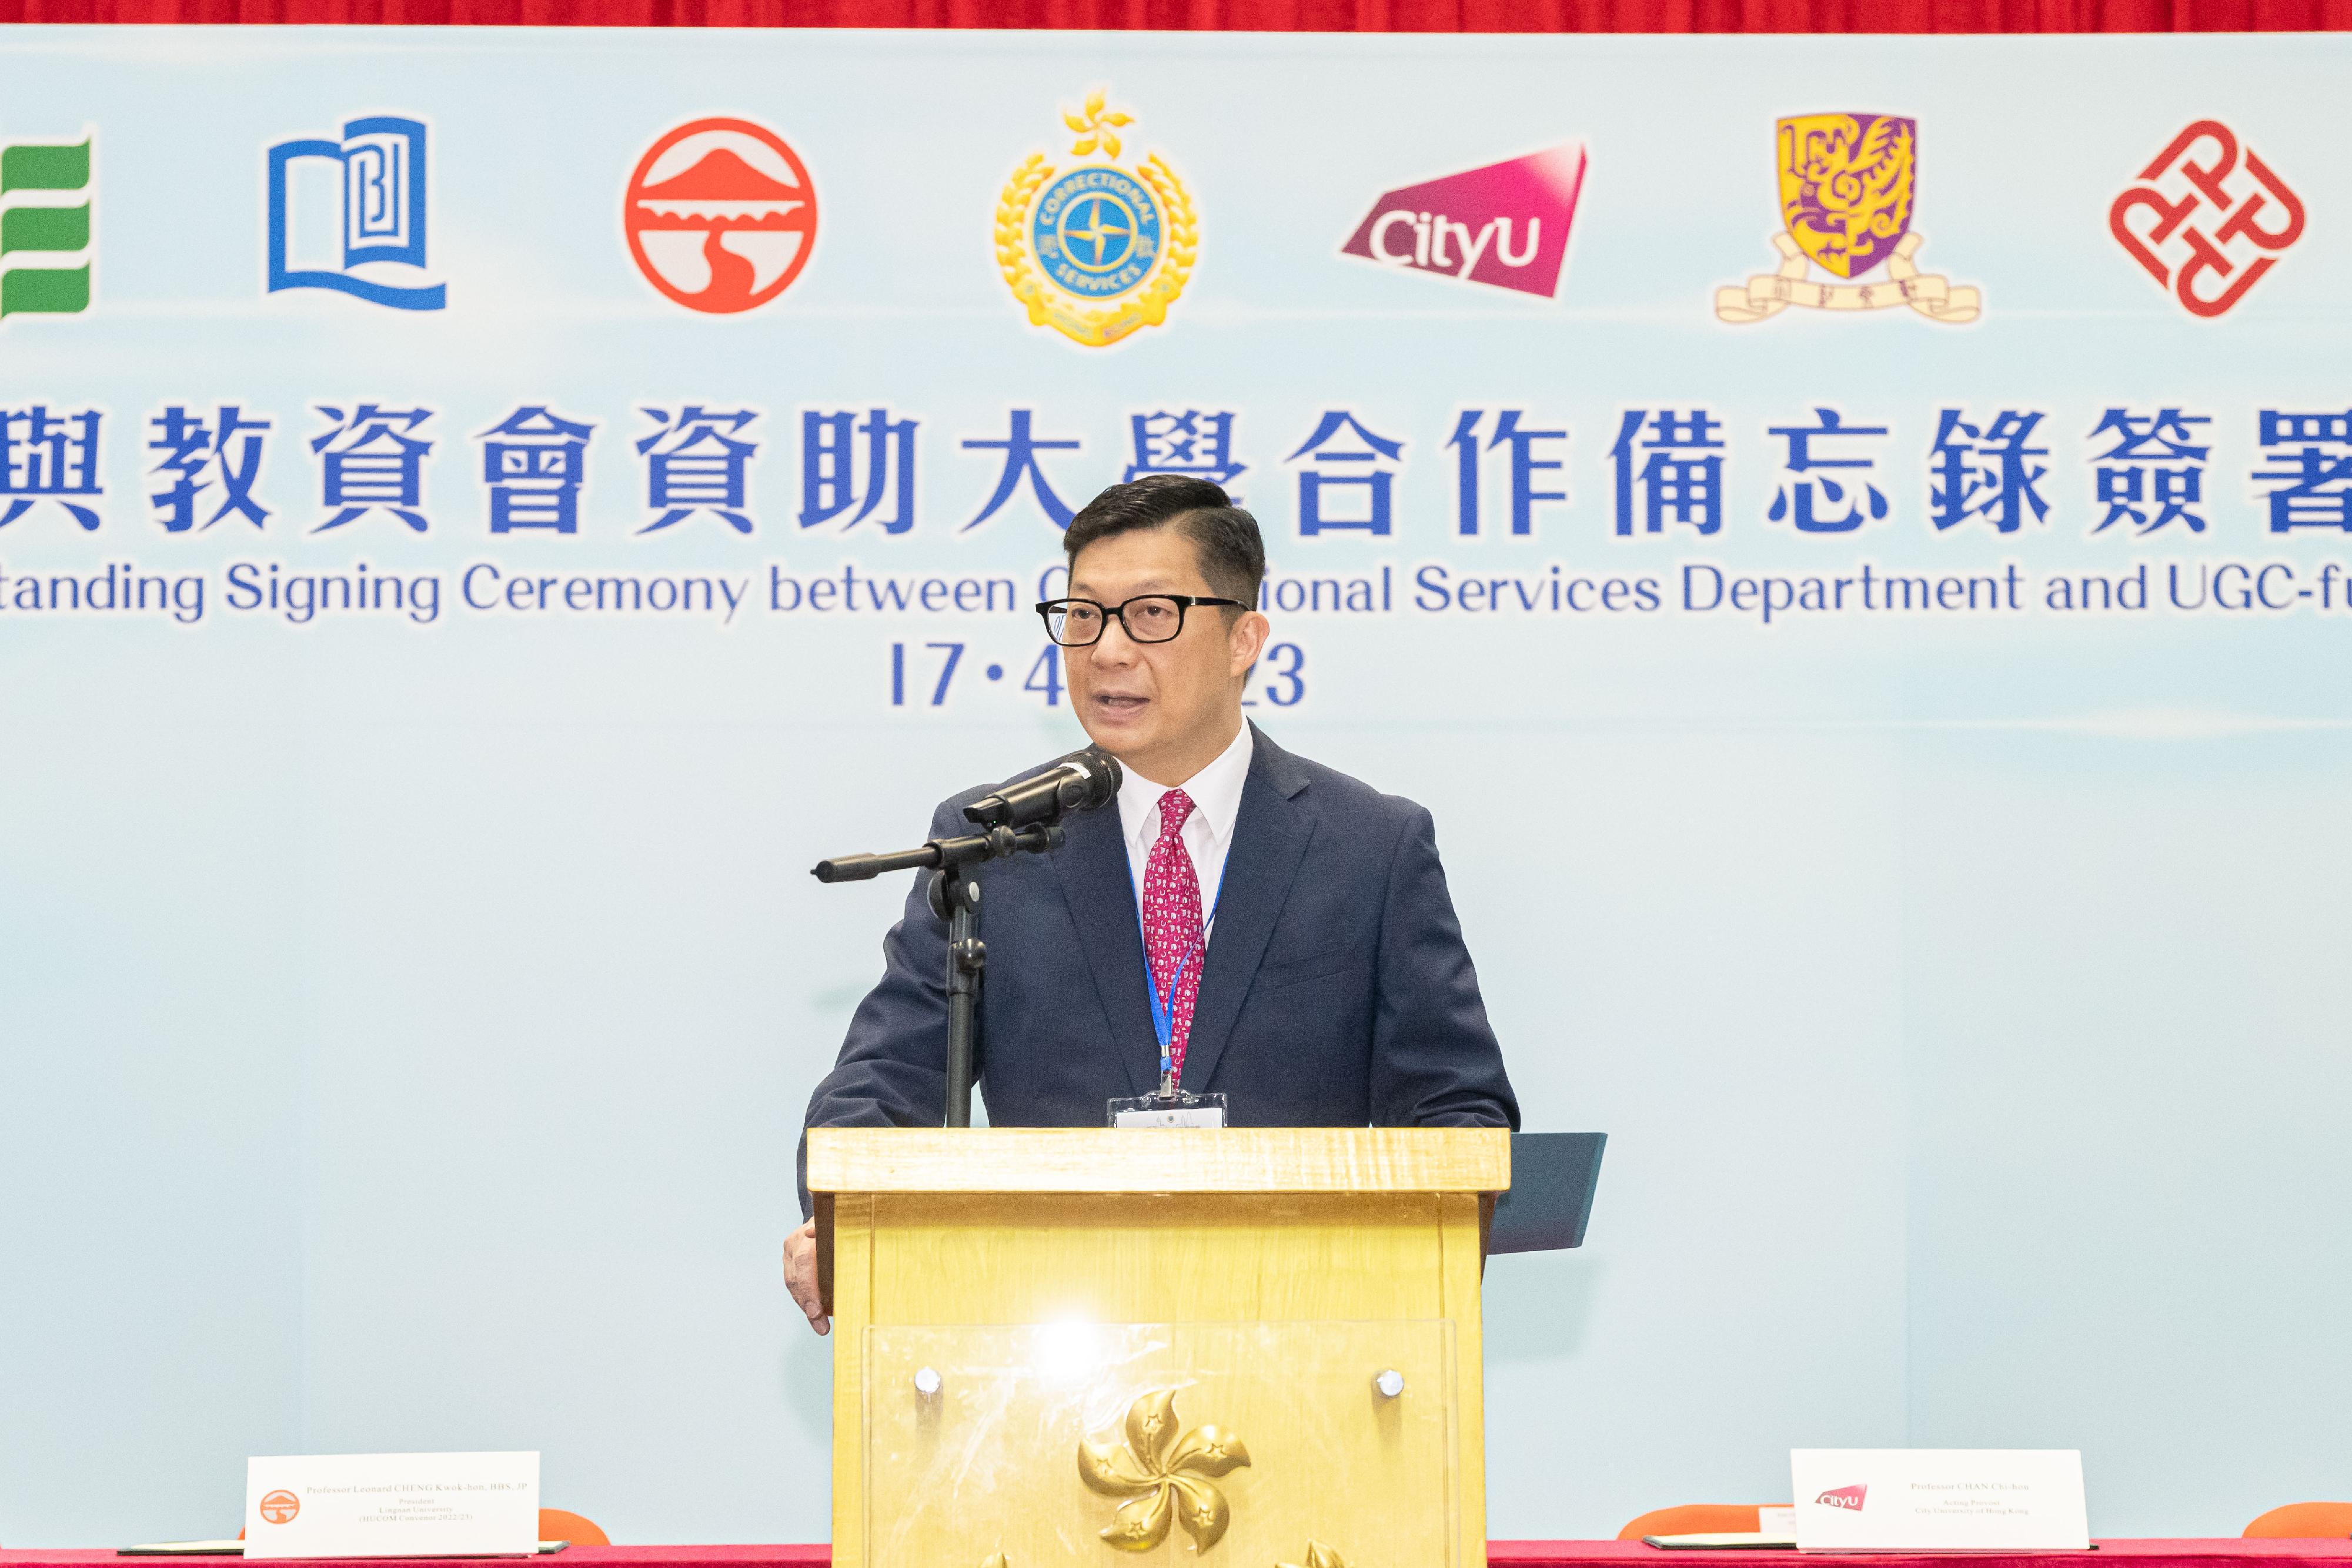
(1280, 15)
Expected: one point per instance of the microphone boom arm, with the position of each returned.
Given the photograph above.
(940, 855)
(954, 898)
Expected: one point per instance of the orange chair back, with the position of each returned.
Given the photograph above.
(2331, 1521)
(1693, 1518)
(555, 1524)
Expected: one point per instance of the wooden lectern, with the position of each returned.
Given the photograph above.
(1257, 1346)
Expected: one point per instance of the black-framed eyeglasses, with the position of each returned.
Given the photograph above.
(1146, 618)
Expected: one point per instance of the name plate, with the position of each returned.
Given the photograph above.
(1939, 1500)
(391, 1505)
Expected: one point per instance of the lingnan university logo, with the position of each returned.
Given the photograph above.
(280, 1507)
(2170, 190)
(1097, 252)
(721, 216)
(1848, 183)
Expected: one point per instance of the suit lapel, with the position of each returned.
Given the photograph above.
(1092, 866)
(1270, 837)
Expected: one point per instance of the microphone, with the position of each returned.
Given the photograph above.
(1078, 782)
(1023, 817)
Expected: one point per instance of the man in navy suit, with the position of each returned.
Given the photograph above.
(1254, 923)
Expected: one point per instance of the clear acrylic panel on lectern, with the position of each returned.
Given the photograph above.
(1236, 1443)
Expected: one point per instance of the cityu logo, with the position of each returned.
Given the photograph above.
(1843, 1497)
(1505, 225)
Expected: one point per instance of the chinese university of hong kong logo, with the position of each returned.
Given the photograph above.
(1503, 224)
(279, 1507)
(1843, 1497)
(2243, 221)
(45, 201)
(720, 215)
(1097, 251)
(1847, 187)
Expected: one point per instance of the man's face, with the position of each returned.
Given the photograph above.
(1165, 709)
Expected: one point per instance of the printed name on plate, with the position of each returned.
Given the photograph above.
(391, 1505)
(1947, 1500)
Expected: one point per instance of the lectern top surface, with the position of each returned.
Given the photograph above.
(1171, 1159)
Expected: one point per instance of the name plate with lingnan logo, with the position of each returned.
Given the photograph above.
(391, 1505)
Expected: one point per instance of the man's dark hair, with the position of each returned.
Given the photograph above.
(1225, 537)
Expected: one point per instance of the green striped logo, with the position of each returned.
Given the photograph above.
(44, 250)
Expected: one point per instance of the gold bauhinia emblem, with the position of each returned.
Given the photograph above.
(1318, 1556)
(1165, 1479)
(1847, 186)
(1097, 251)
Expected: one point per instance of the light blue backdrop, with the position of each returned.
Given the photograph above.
(403, 1028)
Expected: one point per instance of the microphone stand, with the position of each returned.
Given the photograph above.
(954, 898)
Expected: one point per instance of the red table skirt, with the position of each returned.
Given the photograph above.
(1519, 1553)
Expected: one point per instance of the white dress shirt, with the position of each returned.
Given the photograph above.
(1216, 793)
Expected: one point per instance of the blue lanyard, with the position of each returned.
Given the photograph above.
(1163, 1003)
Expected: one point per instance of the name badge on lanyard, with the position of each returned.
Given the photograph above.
(1170, 1106)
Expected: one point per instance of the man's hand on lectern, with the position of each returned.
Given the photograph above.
(800, 1276)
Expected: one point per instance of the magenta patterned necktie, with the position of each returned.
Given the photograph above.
(1171, 922)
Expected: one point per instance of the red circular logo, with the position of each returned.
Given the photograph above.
(277, 1507)
(720, 215)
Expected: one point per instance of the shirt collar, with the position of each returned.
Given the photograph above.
(1216, 793)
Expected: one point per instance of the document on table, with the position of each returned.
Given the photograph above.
(236, 1549)
(184, 1549)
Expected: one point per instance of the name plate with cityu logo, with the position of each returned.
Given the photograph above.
(1939, 1500)
(391, 1505)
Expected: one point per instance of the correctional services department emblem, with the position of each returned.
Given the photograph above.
(1847, 188)
(1095, 251)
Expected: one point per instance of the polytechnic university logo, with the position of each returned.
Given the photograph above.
(1848, 183)
(45, 238)
(721, 216)
(1098, 251)
(2249, 217)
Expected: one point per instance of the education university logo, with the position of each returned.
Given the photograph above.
(1505, 225)
(1848, 185)
(2185, 218)
(45, 238)
(337, 207)
(1097, 251)
(721, 216)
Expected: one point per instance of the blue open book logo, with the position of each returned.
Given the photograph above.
(380, 163)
